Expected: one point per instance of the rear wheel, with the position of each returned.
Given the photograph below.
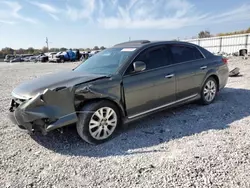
(98, 122)
(209, 91)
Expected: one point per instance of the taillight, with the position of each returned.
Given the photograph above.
(224, 60)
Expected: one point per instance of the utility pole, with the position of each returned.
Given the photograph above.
(47, 42)
(129, 39)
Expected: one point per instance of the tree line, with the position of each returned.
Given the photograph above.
(207, 34)
(32, 50)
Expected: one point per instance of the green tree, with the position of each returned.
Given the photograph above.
(102, 48)
(204, 34)
(8, 50)
(45, 49)
(63, 49)
(248, 30)
(20, 51)
(96, 48)
(30, 50)
(54, 49)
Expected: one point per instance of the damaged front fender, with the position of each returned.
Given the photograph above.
(108, 91)
(55, 109)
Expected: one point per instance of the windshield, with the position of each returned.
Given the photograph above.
(106, 62)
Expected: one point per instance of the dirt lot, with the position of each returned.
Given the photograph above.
(190, 146)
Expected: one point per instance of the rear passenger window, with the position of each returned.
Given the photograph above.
(183, 53)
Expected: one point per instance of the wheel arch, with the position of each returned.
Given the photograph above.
(213, 75)
(216, 79)
(119, 106)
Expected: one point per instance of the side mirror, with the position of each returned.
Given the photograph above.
(139, 66)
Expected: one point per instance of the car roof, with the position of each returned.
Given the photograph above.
(143, 43)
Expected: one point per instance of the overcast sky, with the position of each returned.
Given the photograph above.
(87, 23)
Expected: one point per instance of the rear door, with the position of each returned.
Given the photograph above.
(152, 88)
(187, 60)
(209, 63)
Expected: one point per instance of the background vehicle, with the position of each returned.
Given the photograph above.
(118, 85)
(43, 57)
(55, 57)
(18, 58)
(8, 58)
(61, 57)
(51, 56)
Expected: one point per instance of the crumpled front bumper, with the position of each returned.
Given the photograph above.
(45, 112)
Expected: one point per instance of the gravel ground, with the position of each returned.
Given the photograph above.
(189, 146)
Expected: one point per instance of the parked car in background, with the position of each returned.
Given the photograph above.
(118, 85)
(33, 58)
(51, 56)
(71, 54)
(93, 52)
(55, 57)
(18, 58)
(43, 57)
(8, 58)
(62, 57)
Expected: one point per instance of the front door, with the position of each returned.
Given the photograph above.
(152, 88)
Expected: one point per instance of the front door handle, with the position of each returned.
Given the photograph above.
(204, 67)
(169, 76)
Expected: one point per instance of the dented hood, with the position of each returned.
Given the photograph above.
(51, 81)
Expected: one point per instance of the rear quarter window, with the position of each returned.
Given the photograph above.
(206, 52)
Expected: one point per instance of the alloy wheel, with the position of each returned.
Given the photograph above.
(210, 90)
(103, 123)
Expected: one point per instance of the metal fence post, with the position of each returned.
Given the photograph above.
(220, 47)
(246, 43)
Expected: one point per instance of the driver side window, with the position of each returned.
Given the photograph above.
(155, 57)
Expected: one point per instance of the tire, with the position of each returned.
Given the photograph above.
(210, 87)
(89, 113)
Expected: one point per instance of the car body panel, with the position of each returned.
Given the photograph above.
(30, 88)
(108, 88)
(140, 90)
(55, 106)
(185, 79)
(58, 106)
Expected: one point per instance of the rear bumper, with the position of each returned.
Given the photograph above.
(223, 77)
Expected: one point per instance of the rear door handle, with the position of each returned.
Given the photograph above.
(204, 67)
(169, 76)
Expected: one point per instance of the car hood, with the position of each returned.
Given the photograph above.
(51, 81)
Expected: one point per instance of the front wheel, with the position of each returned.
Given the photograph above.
(62, 60)
(98, 122)
(209, 91)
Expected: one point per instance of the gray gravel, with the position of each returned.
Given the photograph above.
(189, 146)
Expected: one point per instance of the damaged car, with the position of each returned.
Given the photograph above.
(118, 85)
